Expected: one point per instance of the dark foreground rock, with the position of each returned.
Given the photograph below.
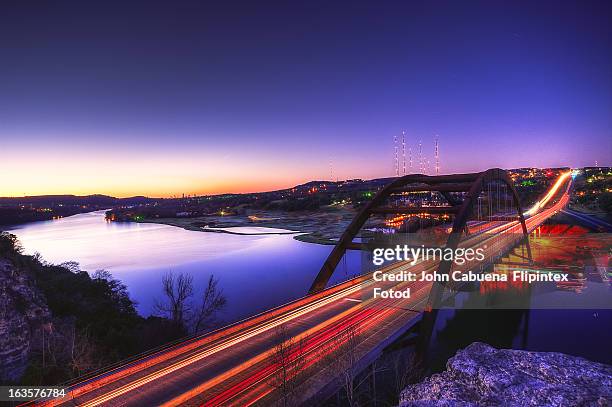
(481, 375)
(22, 311)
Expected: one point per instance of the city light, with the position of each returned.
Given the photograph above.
(553, 190)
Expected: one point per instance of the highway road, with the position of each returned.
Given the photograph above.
(236, 366)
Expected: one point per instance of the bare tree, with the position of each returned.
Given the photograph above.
(72, 266)
(370, 377)
(177, 288)
(82, 352)
(61, 345)
(346, 362)
(288, 359)
(341, 357)
(405, 370)
(212, 301)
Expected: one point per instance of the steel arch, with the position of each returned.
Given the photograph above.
(472, 183)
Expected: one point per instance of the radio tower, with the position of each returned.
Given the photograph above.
(437, 155)
(410, 159)
(421, 161)
(403, 153)
(395, 149)
(331, 169)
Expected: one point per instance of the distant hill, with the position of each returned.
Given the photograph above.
(18, 210)
(346, 184)
(72, 200)
(102, 200)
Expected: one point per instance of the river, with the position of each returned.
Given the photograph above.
(255, 272)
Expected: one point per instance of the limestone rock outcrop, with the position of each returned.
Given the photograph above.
(23, 313)
(481, 375)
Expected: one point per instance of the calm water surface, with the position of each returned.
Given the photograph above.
(256, 272)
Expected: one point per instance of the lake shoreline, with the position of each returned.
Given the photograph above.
(303, 230)
(139, 253)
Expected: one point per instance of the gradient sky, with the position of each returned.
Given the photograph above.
(128, 98)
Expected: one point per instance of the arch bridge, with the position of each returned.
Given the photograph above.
(460, 191)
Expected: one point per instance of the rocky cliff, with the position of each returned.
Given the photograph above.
(23, 312)
(481, 375)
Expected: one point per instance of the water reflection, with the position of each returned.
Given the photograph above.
(578, 332)
(524, 323)
(580, 257)
(255, 272)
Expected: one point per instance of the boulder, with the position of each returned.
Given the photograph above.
(481, 375)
